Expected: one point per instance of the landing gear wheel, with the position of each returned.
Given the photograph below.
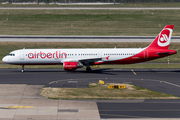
(22, 70)
(88, 69)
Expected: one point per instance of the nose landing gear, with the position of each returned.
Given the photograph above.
(22, 70)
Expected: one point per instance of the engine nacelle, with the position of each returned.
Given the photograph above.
(72, 65)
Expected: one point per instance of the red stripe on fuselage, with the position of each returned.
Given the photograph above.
(145, 55)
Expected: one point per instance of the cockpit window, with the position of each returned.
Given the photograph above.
(11, 54)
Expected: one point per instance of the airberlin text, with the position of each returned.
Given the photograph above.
(49, 55)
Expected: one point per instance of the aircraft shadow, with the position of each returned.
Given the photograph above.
(95, 71)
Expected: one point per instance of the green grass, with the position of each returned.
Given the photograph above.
(102, 92)
(87, 22)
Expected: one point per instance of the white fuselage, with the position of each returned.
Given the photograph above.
(59, 56)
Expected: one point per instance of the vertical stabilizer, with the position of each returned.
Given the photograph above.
(162, 41)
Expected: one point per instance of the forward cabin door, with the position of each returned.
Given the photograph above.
(146, 54)
(22, 55)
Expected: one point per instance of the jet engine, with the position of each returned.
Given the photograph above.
(72, 65)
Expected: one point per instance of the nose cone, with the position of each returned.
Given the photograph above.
(5, 60)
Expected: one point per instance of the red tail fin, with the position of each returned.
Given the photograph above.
(162, 41)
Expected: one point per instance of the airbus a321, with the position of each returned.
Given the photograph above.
(71, 59)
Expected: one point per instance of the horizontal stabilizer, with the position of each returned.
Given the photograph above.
(165, 53)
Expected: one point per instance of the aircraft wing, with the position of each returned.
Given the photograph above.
(82, 60)
(91, 60)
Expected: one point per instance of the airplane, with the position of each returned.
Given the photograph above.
(71, 59)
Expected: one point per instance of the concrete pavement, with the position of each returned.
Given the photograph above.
(29, 105)
(40, 38)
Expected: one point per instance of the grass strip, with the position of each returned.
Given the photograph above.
(98, 91)
(87, 22)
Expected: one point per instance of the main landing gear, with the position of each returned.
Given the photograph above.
(88, 69)
(22, 70)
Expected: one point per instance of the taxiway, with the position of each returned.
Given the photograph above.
(21, 89)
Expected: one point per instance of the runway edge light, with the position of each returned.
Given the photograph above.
(101, 82)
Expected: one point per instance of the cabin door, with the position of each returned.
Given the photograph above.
(22, 55)
(99, 55)
(146, 54)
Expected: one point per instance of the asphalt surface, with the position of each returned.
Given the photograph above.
(162, 80)
(38, 38)
(146, 109)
